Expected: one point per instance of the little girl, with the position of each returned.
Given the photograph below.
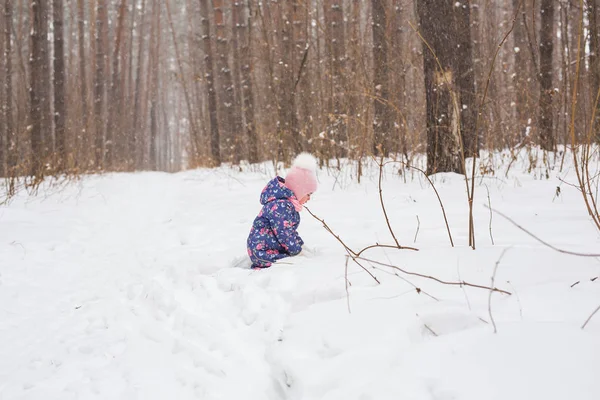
(274, 232)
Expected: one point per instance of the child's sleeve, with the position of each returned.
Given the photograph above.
(283, 221)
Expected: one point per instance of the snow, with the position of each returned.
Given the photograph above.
(125, 286)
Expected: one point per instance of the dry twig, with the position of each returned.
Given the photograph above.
(436, 193)
(491, 291)
(543, 242)
(462, 283)
(418, 227)
(590, 317)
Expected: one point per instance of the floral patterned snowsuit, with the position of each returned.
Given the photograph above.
(274, 232)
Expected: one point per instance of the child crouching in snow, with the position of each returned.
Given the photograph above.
(274, 232)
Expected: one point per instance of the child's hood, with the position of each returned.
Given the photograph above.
(275, 190)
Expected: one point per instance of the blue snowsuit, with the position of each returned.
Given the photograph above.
(274, 232)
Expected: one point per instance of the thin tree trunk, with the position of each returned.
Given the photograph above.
(195, 138)
(594, 61)
(382, 121)
(288, 121)
(522, 68)
(398, 69)
(245, 38)
(237, 83)
(83, 132)
(128, 143)
(302, 80)
(39, 93)
(155, 39)
(59, 86)
(10, 135)
(22, 91)
(113, 132)
(465, 79)
(225, 92)
(136, 138)
(271, 46)
(99, 88)
(545, 122)
(210, 83)
(334, 16)
(49, 139)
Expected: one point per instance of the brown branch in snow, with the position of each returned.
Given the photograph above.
(387, 220)
(540, 240)
(351, 253)
(328, 229)
(418, 227)
(386, 246)
(347, 284)
(590, 317)
(434, 189)
(491, 291)
(462, 283)
(417, 289)
(430, 330)
(490, 207)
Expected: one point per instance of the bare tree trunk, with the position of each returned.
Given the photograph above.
(271, 23)
(382, 118)
(522, 68)
(39, 94)
(83, 133)
(155, 39)
(59, 86)
(135, 139)
(301, 78)
(225, 92)
(128, 144)
(49, 139)
(10, 134)
(114, 105)
(99, 88)
(443, 115)
(238, 129)
(334, 17)
(23, 48)
(545, 122)
(288, 120)
(195, 139)
(465, 77)
(398, 62)
(245, 38)
(594, 61)
(354, 77)
(198, 99)
(215, 145)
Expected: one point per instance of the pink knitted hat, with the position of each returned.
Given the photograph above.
(302, 178)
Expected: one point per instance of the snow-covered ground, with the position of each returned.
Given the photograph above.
(125, 286)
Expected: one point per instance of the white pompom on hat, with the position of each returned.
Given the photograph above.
(302, 178)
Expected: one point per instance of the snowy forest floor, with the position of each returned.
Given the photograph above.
(124, 286)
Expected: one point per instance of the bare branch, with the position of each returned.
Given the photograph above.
(490, 207)
(436, 193)
(540, 240)
(590, 317)
(387, 220)
(418, 227)
(491, 291)
(462, 283)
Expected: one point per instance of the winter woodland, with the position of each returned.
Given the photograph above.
(452, 249)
